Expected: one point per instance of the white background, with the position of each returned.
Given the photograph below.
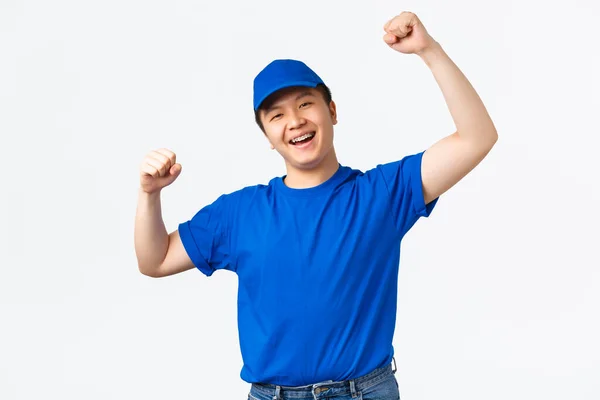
(499, 289)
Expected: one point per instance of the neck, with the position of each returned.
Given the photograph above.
(298, 178)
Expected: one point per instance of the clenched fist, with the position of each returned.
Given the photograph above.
(405, 33)
(158, 170)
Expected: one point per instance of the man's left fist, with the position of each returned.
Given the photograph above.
(405, 33)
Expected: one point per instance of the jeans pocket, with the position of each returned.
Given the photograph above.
(386, 389)
(254, 397)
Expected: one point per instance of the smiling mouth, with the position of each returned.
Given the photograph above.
(307, 137)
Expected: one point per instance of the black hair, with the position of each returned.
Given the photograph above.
(321, 87)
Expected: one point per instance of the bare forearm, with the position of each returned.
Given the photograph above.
(470, 116)
(151, 237)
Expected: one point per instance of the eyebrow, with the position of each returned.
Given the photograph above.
(300, 95)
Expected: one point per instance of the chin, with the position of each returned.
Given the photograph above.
(308, 163)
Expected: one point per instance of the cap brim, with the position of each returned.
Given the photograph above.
(283, 86)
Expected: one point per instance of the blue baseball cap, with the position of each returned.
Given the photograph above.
(280, 74)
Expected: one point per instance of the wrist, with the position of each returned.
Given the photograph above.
(149, 195)
(432, 53)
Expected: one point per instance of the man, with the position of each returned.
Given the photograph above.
(317, 251)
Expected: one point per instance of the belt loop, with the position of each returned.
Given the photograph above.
(353, 389)
(277, 391)
(395, 368)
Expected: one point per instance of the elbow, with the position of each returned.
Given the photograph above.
(480, 139)
(489, 140)
(150, 272)
(483, 145)
(493, 138)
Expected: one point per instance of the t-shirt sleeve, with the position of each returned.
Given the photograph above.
(404, 185)
(206, 237)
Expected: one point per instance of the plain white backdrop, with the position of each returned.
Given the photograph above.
(499, 290)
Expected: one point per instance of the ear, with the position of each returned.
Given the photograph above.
(333, 112)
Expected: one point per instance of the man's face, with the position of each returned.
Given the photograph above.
(300, 113)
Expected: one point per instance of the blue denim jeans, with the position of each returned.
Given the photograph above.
(380, 384)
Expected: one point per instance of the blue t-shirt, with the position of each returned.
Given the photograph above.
(317, 269)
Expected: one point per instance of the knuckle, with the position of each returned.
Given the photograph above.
(166, 152)
(165, 159)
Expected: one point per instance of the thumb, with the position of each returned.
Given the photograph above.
(175, 170)
(390, 38)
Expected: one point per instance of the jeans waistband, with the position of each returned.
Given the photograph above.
(327, 388)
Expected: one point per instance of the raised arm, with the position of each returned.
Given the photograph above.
(158, 253)
(450, 159)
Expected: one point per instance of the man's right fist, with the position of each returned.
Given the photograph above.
(158, 170)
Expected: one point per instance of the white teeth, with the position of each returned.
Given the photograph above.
(306, 136)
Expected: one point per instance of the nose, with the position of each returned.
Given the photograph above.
(296, 121)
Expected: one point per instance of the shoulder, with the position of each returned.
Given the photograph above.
(407, 163)
(248, 192)
(240, 199)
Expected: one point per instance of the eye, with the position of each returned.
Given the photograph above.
(276, 116)
(305, 104)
